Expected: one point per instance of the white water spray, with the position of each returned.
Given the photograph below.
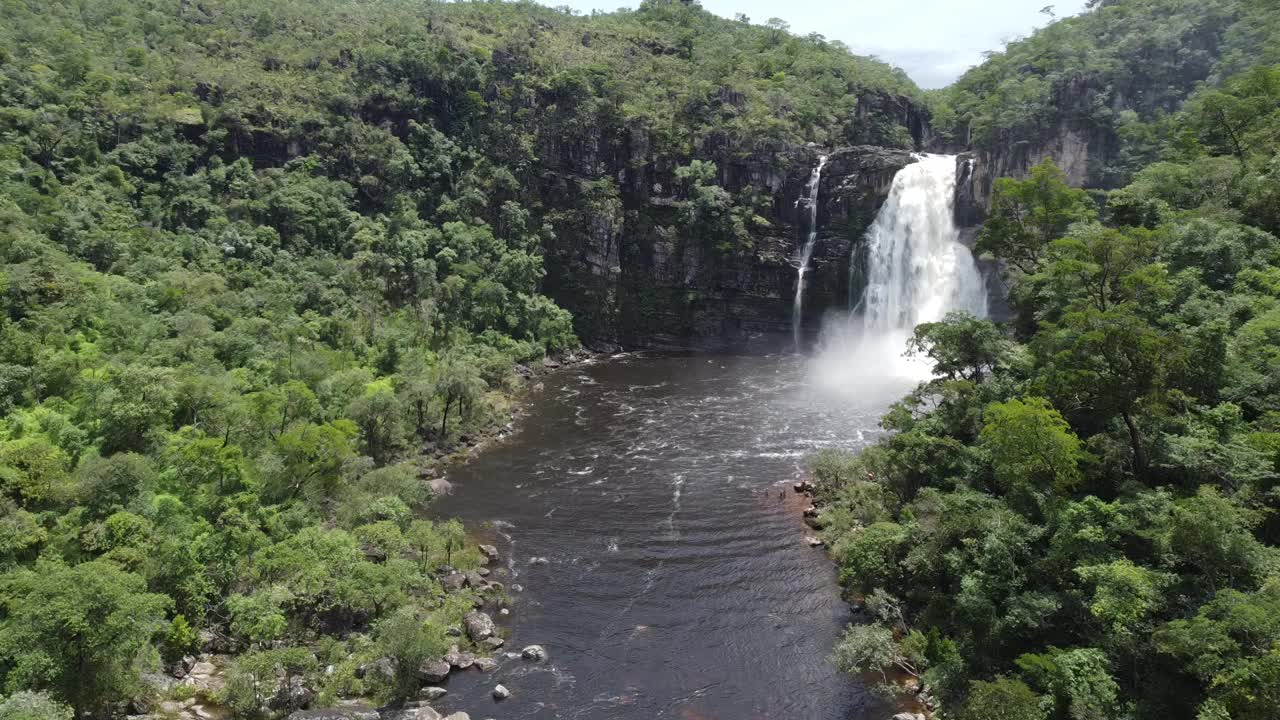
(917, 271)
(806, 251)
(917, 268)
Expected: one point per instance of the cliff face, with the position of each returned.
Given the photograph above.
(631, 277)
(1082, 148)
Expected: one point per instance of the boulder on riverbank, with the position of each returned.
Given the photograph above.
(479, 626)
(433, 671)
(459, 659)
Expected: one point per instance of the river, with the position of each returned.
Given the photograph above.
(644, 505)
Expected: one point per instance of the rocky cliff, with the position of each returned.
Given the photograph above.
(633, 279)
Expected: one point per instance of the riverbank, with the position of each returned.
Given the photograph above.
(912, 699)
(465, 596)
(433, 461)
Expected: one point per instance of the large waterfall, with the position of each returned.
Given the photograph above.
(911, 268)
(917, 269)
(806, 251)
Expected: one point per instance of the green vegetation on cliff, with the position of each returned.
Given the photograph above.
(1115, 75)
(1079, 516)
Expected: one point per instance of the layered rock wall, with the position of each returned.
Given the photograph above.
(632, 278)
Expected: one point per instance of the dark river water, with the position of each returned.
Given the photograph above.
(644, 505)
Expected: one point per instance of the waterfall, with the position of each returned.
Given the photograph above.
(911, 268)
(806, 251)
(917, 270)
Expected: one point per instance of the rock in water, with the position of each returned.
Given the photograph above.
(431, 694)
(534, 652)
(500, 692)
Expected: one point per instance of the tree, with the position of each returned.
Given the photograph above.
(1213, 534)
(135, 401)
(1079, 680)
(1124, 593)
(377, 412)
(1031, 446)
(1229, 646)
(452, 535)
(77, 631)
(26, 705)
(871, 649)
(1107, 363)
(254, 678)
(457, 383)
(1026, 215)
(1098, 268)
(961, 346)
(33, 472)
(312, 461)
(1002, 699)
(870, 558)
(409, 641)
(103, 484)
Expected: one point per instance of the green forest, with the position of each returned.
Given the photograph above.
(259, 259)
(1077, 518)
(265, 265)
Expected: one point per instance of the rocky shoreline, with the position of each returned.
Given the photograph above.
(193, 687)
(195, 683)
(920, 703)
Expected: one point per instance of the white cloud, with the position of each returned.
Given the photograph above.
(935, 41)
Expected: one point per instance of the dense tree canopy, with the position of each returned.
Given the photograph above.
(1079, 510)
(1116, 76)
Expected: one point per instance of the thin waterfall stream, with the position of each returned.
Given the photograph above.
(806, 250)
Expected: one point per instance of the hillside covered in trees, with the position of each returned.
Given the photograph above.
(263, 261)
(1077, 517)
(256, 256)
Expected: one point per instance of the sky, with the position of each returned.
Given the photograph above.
(935, 41)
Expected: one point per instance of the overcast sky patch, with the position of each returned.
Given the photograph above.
(935, 41)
